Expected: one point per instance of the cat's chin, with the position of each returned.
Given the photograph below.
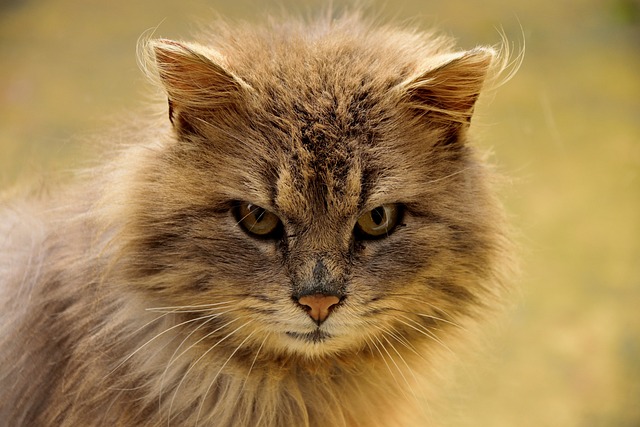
(316, 337)
(318, 342)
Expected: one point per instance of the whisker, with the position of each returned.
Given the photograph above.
(199, 310)
(451, 175)
(426, 332)
(190, 308)
(431, 316)
(395, 334)
(400, 371)
(439, 319)
(243, 218)
(149, 341)
(395, 378)
(246, 378)
(422, 398)
(203, 338)
(221, 369)
(149, 323)
(175, 393)
(173, 357)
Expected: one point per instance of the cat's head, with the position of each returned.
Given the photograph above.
(317, 194)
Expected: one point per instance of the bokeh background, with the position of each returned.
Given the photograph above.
(566, 129)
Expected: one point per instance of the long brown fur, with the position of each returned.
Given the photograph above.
(134, 298)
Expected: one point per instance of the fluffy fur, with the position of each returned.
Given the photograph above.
(134, 297)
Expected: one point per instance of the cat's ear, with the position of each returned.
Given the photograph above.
(196, 81)
(447, 92)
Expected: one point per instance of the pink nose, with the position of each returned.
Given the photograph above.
(319, 305)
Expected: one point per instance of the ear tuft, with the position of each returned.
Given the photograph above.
(448, 91)
(194, 77)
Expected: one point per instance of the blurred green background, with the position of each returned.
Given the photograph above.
(566, 129)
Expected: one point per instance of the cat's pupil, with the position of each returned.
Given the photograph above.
(377, 215)
(258, 213)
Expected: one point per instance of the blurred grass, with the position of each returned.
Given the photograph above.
(566, 128)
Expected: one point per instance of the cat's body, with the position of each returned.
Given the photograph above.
(159, 292)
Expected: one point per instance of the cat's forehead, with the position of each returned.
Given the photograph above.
(324, 132)
(329, 128)
(320, 172)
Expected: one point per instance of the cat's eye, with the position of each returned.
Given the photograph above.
(378, 222)
(257, 221)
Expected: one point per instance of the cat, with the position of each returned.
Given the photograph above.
(293, 244)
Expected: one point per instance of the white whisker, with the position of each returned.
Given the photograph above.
(426, 332)
(175, 393)
(221, 369)
(451, 175)
(400, 371)
(440, 319)
(395, 334)
(246, 378)
(393, 375)
(431, 316)
(190, 308)
(149, 341)
(422, 397)
(173, 357)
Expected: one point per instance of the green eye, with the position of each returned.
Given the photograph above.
(257, 221)
(378, 222)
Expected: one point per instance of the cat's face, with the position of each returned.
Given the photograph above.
(314, 216)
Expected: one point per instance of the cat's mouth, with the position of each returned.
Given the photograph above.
(317, 336)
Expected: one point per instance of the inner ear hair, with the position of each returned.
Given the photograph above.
(448, 91)
(195, 78)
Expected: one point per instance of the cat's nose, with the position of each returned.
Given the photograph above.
(318, 305)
